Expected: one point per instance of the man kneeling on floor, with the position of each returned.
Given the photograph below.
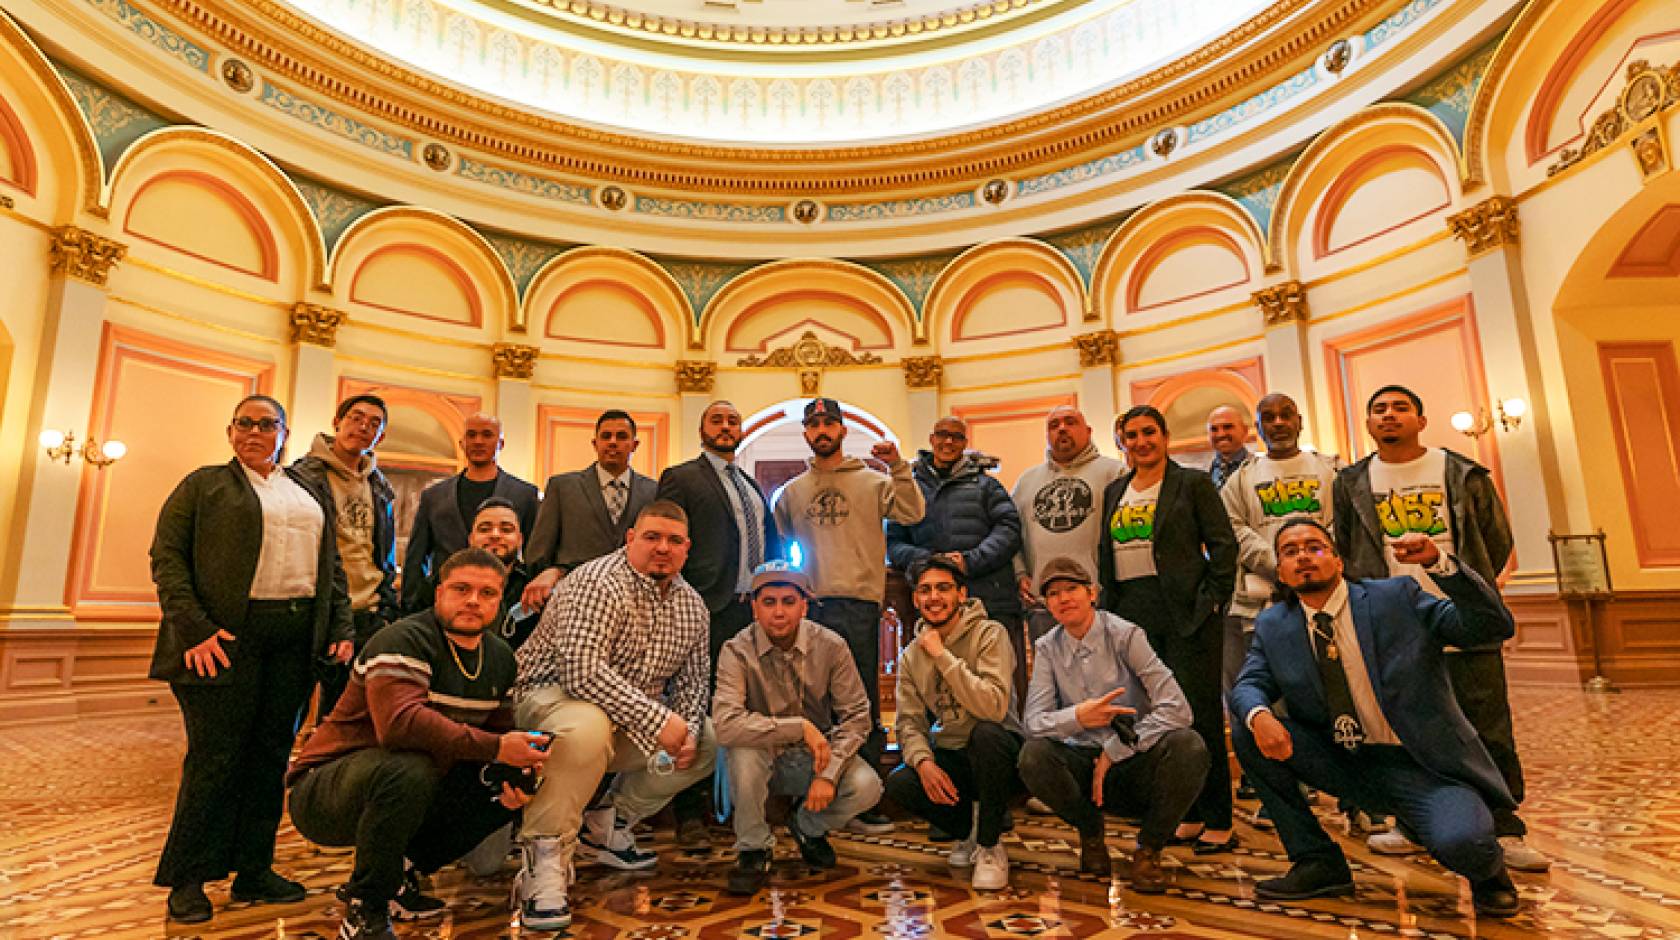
(398, 768)
(791, 711)
(1372, 714)
(617, 672)
(1110, 728)
(958, 722)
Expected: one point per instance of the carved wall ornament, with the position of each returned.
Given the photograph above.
(78, 253)
(614, 198)
(923, 371)
(809, 353)
(1649, 90)
(1282, 303)
(806, 211)
(1164, 142)
(7, 203)
(1101, 348)
(810, 382)
(1337, 57)
(436, 156)
(1651, 150)
(696, 376)
(995, 192)
(316, 325)
(238, 75)
(514, 361)
(1486, 225)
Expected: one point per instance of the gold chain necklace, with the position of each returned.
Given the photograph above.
(471, 676)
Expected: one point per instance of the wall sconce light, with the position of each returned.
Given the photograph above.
(1509, 413)
(61, 445)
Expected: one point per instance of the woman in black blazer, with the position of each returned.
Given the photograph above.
(1168, 562)
(247, 574)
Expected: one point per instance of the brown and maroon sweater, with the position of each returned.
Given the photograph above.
(414, 690)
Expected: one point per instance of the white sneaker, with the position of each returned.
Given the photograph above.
(1392, 842)
(991, 868)
(1521, 856)
(614, 845)
(962, 853)
(1038, 807)
(539, 890)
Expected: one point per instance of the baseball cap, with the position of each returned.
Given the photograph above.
(822, 408)
(780, 572)
(1062, 568)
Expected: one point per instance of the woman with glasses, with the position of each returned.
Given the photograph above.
(248, 577)
(1168, 563)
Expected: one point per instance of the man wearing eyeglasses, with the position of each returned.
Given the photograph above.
(343, 464)
(1371, 712)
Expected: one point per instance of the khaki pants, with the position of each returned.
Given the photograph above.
(586, 747)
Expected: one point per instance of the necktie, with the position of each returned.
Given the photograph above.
(615, 499)
(749, 513)
(1344, 721)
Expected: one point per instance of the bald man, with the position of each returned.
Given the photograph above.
(1059, 500)
(444, 519)
(1227, 429)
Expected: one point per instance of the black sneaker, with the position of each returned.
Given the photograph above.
(751, 871)
(1313, 878)
(1495, 897)
(189, 905)
(412, 902)
(267, 887)
(365, 921)
(815, 850)
(870, 824)
(1246, 792)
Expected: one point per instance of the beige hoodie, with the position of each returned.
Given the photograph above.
(837, 515)
(973, 680)
(353, 499)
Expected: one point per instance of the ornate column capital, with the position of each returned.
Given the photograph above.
(515, 361)
(78, 253)
(923, 371)
(316, 325)
(696, 376)
(1101, 348)
(1487, 225)
(1282, 303)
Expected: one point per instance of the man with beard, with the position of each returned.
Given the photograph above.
(448, 507)
(727, 505)
(970, 520)
(616, 672)
(1371, 713)
(1406, 488)
(496, 529)
(835, 511)
(396, 769)
(958, 722)
(343, 464)
(1058, 502)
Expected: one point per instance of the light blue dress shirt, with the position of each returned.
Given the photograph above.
(1113, 653)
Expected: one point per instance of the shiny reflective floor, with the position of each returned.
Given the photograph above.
(84, 807)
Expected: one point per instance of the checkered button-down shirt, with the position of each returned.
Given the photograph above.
(610, 638)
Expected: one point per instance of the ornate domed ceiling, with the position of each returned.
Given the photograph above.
(783, 72)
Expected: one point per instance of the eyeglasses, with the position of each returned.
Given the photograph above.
(264, 425)
(949, 436)
(1315, 549)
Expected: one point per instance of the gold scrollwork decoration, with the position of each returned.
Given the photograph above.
(79, 253)
(1486, 225)
(1649, 90)
(809, 352)
(1282, 303)
(1101, 348)
(923, 371)
(696, 376)
(515, 361)
(316, 325)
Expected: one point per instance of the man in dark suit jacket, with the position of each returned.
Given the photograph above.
(1371, 713)
(576, 522)
(726, 509)
(447, 508)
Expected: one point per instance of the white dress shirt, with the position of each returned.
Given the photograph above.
(292, 522)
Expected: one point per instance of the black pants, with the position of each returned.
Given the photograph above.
(1478, 680)
(859, 623)
(982, 772)
(336, 678)
(727, 621)
(393, 805)
(239, 738)
(1015, 627)
(1158, 785)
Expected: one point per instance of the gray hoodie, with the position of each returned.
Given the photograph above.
(1059, 506)
(837, 515)
(940, 700)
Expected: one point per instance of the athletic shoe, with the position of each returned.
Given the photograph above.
(539, 890)
(962, 854)
(1520, 856)
(1392, 842)
(870, 824)
(991, 868)
(614, 845)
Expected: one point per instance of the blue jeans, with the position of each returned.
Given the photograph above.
(1449, 818)
(754, 776)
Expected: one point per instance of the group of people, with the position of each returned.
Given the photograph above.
(550, 673)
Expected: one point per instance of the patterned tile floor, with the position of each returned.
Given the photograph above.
(84, 806)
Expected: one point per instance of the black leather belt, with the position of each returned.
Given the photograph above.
(291, 605)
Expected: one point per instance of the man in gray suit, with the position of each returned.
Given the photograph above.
(448, 507)
(586, 513)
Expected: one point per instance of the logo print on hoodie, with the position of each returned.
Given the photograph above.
(829, 508)
(1063, 504)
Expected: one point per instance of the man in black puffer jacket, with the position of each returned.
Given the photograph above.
(971, 519)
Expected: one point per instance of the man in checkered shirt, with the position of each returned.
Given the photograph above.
(618, 672)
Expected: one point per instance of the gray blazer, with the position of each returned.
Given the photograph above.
(439, 531)
(573, 525)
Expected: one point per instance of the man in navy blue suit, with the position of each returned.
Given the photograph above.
(1370, 713)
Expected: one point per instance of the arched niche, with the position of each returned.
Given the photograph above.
(1181, 249)
(608, 297)
(1002, 290)
(1186, 398)
(54, 160)
(845, 304)
(406, 262)
(1395, 161)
